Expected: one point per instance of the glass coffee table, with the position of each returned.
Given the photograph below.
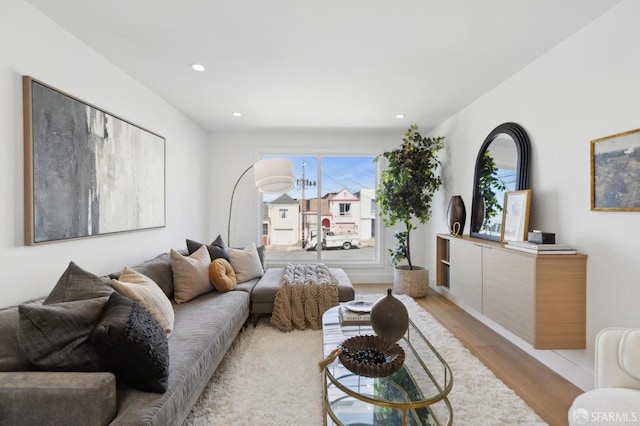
(416, 394)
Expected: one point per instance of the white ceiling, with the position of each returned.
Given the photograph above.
(319, 65)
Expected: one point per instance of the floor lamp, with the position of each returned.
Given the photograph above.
(272, 175)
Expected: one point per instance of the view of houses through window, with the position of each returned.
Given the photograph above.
(329, 215)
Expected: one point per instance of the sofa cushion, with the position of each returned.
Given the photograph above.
(12, 358)
(217, 249)
(602, 401)
(132, 344)
(203, 331)
(246, 263)
(222, 275)
(190, 274)
(158, 269)
(143, 290)
(78, 284)
(30, 398)
(262, 254)
(57, 337)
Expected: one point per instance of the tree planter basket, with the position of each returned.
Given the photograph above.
(412, 282)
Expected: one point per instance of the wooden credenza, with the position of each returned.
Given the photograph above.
(540, 298)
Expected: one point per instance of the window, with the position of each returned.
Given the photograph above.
(345, 209)
(332, 212)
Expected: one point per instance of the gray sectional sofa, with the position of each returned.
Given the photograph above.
(203, 330)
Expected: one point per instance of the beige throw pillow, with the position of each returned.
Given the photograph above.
(144, 291)
(246, 263)
(190, 274)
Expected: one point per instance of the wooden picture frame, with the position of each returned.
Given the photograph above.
(615, 172)
(86, 171)
(515, 216)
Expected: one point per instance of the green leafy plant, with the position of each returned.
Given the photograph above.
(407, 187)
(488, 183)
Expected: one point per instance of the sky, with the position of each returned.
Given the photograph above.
(352, 173)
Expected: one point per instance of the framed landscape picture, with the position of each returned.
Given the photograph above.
(515, 217)
(87, 172)
(615, 172)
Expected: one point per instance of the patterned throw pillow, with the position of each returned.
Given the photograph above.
(222, 275)
(143, 290)
(132, 345)
(246, 263)
(190, 274)
(78, 284)
(57, 337)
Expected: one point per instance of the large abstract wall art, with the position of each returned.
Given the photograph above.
(87, 172)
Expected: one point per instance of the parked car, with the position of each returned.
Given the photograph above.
(332, 240)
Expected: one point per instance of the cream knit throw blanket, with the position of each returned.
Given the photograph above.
(306, 292)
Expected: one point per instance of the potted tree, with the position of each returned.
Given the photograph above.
(405, 193)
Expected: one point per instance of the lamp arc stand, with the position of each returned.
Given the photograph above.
(233, 193)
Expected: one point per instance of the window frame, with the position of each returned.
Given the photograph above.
(376, 259)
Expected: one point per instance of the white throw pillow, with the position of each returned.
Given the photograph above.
(246, 263)
(190, 274)
(144, 291)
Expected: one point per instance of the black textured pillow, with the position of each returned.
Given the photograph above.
(57, 337)
(132, 345)
(217, 249)
(78, 284)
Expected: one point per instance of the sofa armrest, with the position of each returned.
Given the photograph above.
(609, 373)
(38, 397)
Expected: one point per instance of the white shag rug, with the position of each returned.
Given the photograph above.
(269, 377)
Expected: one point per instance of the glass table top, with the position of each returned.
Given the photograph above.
(415, 394)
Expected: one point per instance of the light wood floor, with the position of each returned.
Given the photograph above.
(541, 388)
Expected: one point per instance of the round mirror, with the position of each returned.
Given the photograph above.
(502, 166)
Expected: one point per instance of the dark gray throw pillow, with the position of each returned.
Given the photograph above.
(132, 345)
(78, 284)
(217, 249)
(57, 337)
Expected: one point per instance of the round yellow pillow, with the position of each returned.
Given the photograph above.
(222, 275)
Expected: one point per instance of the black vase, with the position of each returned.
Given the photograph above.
(456, 215)
(389, 317)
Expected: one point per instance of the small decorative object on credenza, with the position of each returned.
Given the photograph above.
(389, 317)
(456, 215)
(537, 236)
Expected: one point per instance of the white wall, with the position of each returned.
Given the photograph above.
(231, 153)
(31, 44)
(583, 89)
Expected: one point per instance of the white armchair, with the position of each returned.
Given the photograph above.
(616, 397)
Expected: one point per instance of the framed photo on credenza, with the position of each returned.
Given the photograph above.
(515, 217)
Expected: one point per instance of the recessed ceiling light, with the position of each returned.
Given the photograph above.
(197, 67)
(237, 114)
(400, 116)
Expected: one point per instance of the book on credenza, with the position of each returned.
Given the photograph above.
(348, 317)
(535, 250)
(540, 246)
